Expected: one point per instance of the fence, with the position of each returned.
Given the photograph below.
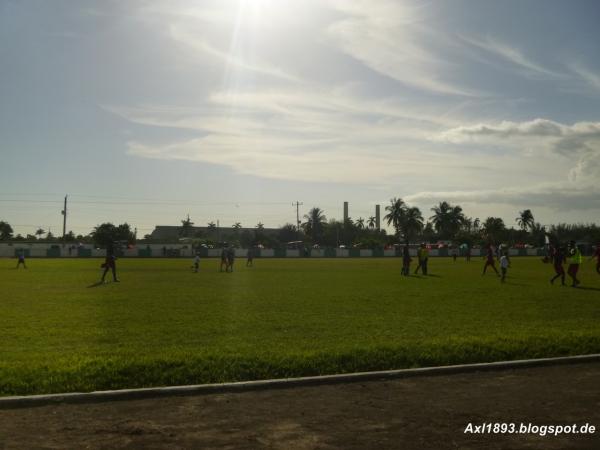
(42, 250)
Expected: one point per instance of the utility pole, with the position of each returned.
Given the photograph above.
(64, 213)
(297, 204)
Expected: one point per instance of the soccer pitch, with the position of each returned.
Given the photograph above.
(164, 325)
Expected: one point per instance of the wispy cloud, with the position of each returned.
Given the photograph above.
(591, 78)
(512, 55)
(196, 42)
(389, 38)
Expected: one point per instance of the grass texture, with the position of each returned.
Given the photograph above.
(164, 325)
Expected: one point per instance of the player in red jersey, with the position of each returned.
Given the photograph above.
(558, 256)
(490, 260)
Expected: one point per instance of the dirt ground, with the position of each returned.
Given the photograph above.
(423, 413)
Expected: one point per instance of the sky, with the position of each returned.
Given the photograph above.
(231, 110)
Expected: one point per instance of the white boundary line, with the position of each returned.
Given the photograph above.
(282, 383)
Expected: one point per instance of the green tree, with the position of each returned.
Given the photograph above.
(6, 231)
(106, 234)
(186, 227)
(525, 219)
(372, 222)
(447, 219)
(314, 224)
(411, 224)
(40, 232)
(360, 223)
(395, 213)
(493, 229)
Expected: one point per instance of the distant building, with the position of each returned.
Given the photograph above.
(172, 233)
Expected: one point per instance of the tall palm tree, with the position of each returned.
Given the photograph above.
(371, 222)
(525, 219)
(395, 213)
(447, 219)
(260, 226)
(40, 232)
(360, 223)
(236, 226)
(412, 223)
(441, 217)
(212, 226)
(315, 221)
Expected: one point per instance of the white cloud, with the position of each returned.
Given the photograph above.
(560, 196)
(580, 140)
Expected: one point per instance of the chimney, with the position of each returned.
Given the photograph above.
(377, 217)
(345, 212)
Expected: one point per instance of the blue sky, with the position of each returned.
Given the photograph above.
(145, 111)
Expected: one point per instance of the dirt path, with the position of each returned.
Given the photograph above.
(422, 413)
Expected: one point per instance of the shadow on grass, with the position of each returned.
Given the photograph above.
(98, 283)
(584, 288)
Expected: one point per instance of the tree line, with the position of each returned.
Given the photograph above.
(447, 223)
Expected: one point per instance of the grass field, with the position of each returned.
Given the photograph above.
(163, 325)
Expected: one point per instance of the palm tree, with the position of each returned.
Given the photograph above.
(260, 226)
(412, 223)
(441, 217)
(315, 220)
(40, 232)
(447, 219)
(212, 226)
(360, 223)
(236, 226)
(186, 226)
(371, 222)
(395, 213)
(525, 219)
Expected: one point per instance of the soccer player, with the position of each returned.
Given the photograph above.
(504, 265)
(597, 256)
(468, 253)
(110, 264)
(558, 259)
(489, 260)
(575, 259)
(230, 259)
(406, 259)
(21, 257)
(423, 256)
(454, 253)
(196, 264)
(223, 259)
(250, 256)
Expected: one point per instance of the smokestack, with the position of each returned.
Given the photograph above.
(345, 212)
(377, 217)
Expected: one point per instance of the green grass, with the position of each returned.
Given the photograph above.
(163, 325)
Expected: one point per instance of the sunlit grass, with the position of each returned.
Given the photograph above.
(164, 325)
